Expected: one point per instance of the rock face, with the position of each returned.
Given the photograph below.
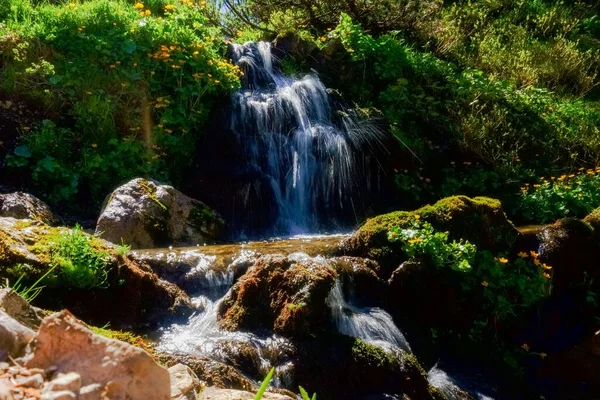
(213, 393)
(148, 214)
(479, 220)
(15, 306)
(281, 294)
(21, 205)
(115, 369)
(184, 383)
(132, 296)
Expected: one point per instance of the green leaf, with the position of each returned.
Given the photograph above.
(265, 385)
(23, 151)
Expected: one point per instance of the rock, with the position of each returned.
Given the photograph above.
(281, 294)
(210, 372)
(479, 220)
(70, 382)
(569, 247)
(6, 390)
(132, 296)
(240, 355)
(212, 393)
(18, 308)
(59, 395)
(91, 392)
(184, 383)
(126, 372)
(148, 214)
(21, 205)
(13, 337)
(34, 381)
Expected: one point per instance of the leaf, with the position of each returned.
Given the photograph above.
(303, 393)
(23, 151)
(264, 385)
(129, 47)
(55, 79)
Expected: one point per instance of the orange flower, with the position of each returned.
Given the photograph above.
(484, 284)
(503, 260)
(547, 276)
(534, 254)
(522, 254)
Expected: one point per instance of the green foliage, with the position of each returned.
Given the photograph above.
(29, 292)
(79, 264)
(305, 395)
(503, 288)
(265, 384)
(126, 86)
(573, 195)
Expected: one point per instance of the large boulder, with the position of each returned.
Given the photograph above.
(282, 294)
(81, 362)
(21, 205)
(479, 220)
(132, 296)
(147, 214)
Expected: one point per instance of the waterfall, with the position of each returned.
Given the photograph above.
(316, 158)
(371, 324)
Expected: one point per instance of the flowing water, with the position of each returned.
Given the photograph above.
(317, 159)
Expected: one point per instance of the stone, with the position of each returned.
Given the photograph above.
(60, 395)
(282, 294)
(126, 372)
(21, 205)
(147, 214)
(13, 337)
(34, 381)
(18, 308)
(479, 220)
(6, 390)
(70, 381)
(91, 392)
(184, 383)
(213, 393)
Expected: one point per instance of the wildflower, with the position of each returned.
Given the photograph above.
(522, 254)
(572, 175)
(79, 29)
(452, 163)
(503, 260)
(534, 254)
(135, 64)
(132, 30)
(169, 7)
(195, 53)
(484, 284)
(112, 66)
(546, 267)
(427, 180)
(417, 217)
(160, 126)
(147, 12)
(543, 355)
(546, 275)
(579, 195)
(393, 234)
(537, 262)
(217, 81)
(176, 66)
(525, 346)
(415, 240)
(168, 131)
(89, 92)
(94, 145)
(139, 6)
(537, 185)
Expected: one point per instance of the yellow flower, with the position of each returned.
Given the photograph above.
(89, 92)
(415, 240)
(543, 355)
(534, 254)
(417, 217)
(139, 6)
(503, 260)
(547, 276)
(546, 267)
(94, 145)
(523, 254)
(537, 262)
(537, 185)
(195, 53)
(484, 283)
(525, 346)
(132, 30)
(147, 12)
(169, 7)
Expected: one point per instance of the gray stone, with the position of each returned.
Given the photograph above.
(184, 383)
(13, 337)
(147, 214)
(18, 308)
(21, 205)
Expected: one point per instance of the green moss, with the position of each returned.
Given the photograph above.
(479, 220)
(594, 219)
(366, 354)
(126, 337)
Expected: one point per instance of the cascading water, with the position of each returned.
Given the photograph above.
(317, 160)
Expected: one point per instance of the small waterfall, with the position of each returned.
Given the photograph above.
(317, 159)
(371, 324)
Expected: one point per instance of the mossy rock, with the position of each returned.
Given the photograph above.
(479, 220)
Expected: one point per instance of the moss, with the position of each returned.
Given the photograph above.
(480, 220)
(372, 356)
(126, 337)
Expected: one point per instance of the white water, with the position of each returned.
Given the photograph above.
(317, 160)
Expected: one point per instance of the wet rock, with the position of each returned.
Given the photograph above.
(132, 297)
(148, 214)
(13, 337)
(240, 355)
(21, 205)
(360, 275)
(65, 345)
(568, 246)
(280, 294)
(210, 372)
(18, 308)
(212, 393)
(184, 383)
(479, 220)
